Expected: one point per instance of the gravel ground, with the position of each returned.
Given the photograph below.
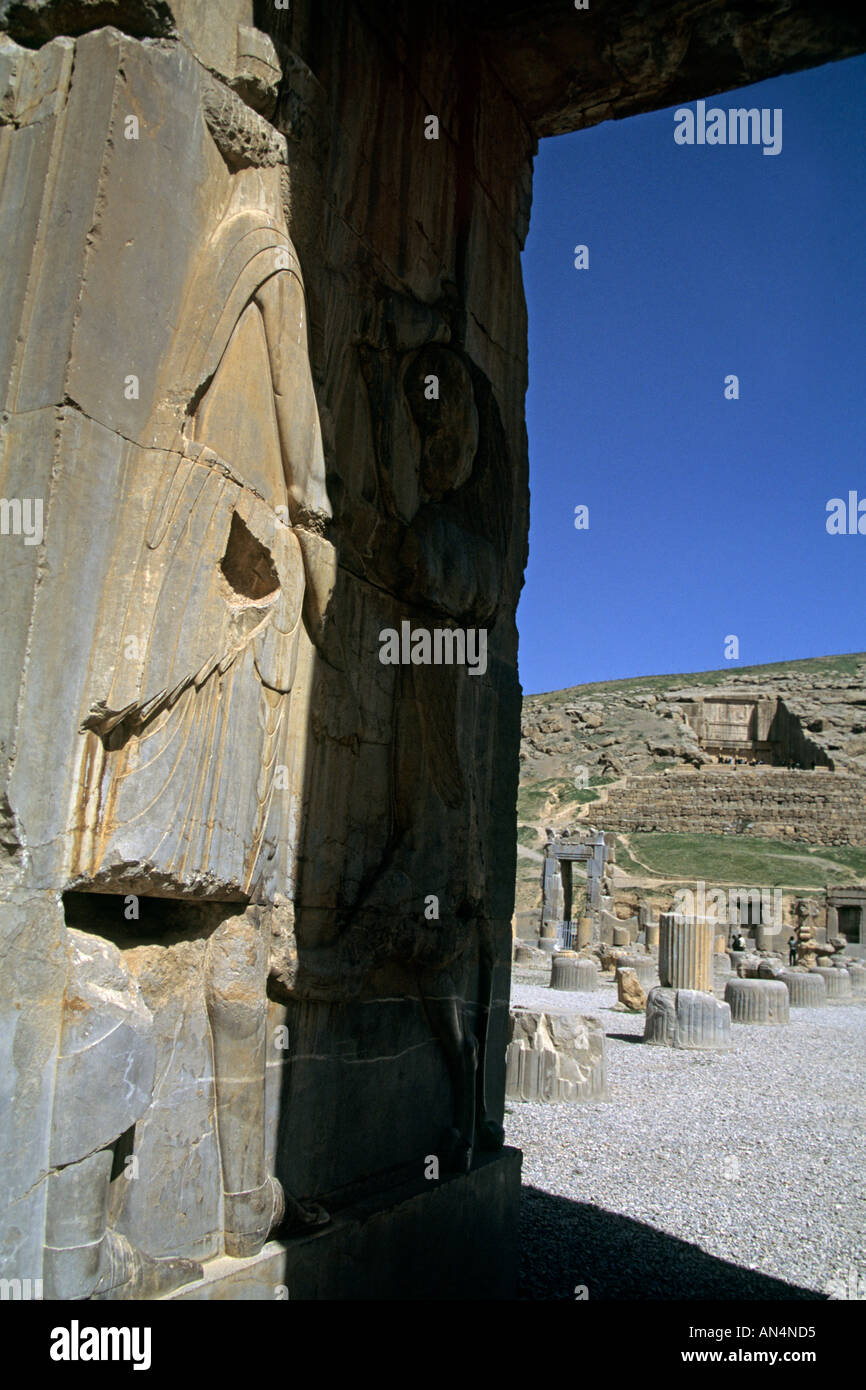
(705, 1175)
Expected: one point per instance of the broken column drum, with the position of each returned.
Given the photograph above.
(570, 971)
(758, 1001)
(555, 1057)
(806, 989)
(686, 1018)
(857, 976)
(838, 982)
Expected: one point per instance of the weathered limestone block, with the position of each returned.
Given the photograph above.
(621, 936)
(688, 1019)
(106, 1071)
(629, 990)
(838, 982)
(806, 990)
(555, 1057)
(771, 970)
(686, 952)
(652, 936)
(35, 962)
(569, 971)
(748, 967)
(758, 1001)
(644, 967)
(610, 957)
(584, 933)
(106, 1067)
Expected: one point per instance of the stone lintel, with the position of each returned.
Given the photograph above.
(568, 68)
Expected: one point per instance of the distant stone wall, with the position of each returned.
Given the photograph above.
(821, 808)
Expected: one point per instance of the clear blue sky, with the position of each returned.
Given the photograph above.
(707, 516)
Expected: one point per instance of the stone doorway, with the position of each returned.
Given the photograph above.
(846, 917)
(850, 918)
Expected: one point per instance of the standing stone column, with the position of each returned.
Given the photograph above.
(551, 898)
(594, 872)
(686, 952)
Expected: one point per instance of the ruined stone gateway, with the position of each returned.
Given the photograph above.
(263, 364)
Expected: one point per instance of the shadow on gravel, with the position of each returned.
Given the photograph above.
(626, 1037)
(564, 1244)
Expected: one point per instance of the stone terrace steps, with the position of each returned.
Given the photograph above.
(825, 808)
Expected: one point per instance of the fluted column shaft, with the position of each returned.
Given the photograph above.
(686, 952)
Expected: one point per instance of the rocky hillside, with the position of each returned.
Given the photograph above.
(620, 728)
(618, 755)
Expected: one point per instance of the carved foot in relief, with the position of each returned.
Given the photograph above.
(129, 1274)
(491, 1135)
(251, 1216)
(458, 1152)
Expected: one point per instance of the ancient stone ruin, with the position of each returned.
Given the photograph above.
(555, 1057)
(263, 359)
(682, 1010)
(757, 1001)
(687, 1018)
(569, 972)
(752, 728)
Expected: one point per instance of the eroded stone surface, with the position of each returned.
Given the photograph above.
(570, 972)
(837, 982)
(686, 1018)
(686, 952)
(629, 989)
(758, 1001)
(806, 989)
(555, 1057)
